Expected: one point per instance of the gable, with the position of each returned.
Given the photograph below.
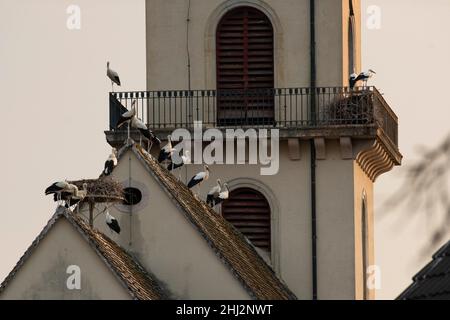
(44, 273)
(164, 241)
(228, 245)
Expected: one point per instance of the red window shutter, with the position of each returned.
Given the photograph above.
(249, 211)
(245, 67)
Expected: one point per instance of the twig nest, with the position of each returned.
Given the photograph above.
(103, 189)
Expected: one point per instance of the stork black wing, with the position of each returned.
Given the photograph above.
(114, 225)
(109, 166)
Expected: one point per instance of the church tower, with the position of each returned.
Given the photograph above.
(282, 66)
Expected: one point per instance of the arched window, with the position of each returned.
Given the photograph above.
(364, 255)
(245, 68)
(249, 211)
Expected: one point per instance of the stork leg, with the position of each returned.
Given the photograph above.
(129, 125)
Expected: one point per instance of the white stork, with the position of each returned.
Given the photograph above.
(114, 76)
(69, 193)
(57, 188)
(110, 163)
(185, 159)
(213, 193)
(112, 223)
(127, 116)
(352, 80)
(199, 178)
(167, 151)
(146, 132)
(365, 76)
(223, 195)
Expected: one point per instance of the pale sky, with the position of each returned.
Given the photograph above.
(53, 79)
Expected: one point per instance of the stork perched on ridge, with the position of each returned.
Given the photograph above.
(185, 159)
(199, 178)
(113, 75)
(213, 194)
(112, 223)
(223, 195)
(146, 132)
(110, 163)
(167, 151)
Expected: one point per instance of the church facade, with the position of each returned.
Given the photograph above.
(305, 232)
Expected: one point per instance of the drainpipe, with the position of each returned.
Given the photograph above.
(313, 76)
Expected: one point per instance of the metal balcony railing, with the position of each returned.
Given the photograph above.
(288, 108)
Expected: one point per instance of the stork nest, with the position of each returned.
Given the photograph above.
(101, 190)
(354, 109)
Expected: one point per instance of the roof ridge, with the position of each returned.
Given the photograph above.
(148, 289)
(229, 244)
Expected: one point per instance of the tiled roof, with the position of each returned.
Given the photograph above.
(139, 283)
(433, 281)
(228, 243)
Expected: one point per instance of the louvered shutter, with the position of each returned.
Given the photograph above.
(249, 211)
(245, 71)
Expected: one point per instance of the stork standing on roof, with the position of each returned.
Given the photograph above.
(223, 195)
(185, 159)
(167, 151)
(113, 75)
(112, 223)
(213, 194)
(110, 163)
(146, 132)
(365, 76)
(199, 178)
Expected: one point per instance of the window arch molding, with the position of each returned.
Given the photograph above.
(257, 185)
(210, 37)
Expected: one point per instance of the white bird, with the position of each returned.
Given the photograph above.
(223, 195)
(146, 132)
(199, 178)
(112, 223)
(110, 163)
(352, 80)
(185, 159)
(67, 192)
(167, 151)
(114, 76)
(213, 193)
(56, 188)
(127, 116)
(365, 76)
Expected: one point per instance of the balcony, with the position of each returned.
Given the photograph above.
(297, 112)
